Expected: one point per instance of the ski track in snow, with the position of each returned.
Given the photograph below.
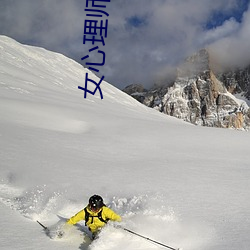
(42, 116)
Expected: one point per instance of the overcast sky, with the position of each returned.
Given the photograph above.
(146, 38)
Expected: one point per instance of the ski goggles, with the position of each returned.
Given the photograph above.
(94, 208)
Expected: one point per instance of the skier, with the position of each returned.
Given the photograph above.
(95, 214)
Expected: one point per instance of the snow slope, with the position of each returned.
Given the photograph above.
(176, 183)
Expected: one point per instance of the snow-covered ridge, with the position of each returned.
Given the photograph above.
(36, 68)
(33, 74)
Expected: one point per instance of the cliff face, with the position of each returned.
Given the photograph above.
(237, 81)
(201, 97)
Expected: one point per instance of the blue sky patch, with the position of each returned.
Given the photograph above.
(219, 17)
(136, 21)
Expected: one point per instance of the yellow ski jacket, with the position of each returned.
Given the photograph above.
(94, 223)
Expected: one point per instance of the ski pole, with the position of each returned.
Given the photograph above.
(146, 238)
(45, 228)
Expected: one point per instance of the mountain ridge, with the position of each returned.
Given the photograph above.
(200, 95)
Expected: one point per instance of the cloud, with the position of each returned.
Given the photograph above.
(228, 28)
(172, 31)
(146, 38)
(233, 49)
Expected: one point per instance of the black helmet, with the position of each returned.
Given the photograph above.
(96, 202)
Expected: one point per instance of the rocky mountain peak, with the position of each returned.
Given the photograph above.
(200, 96)
(196, 64)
